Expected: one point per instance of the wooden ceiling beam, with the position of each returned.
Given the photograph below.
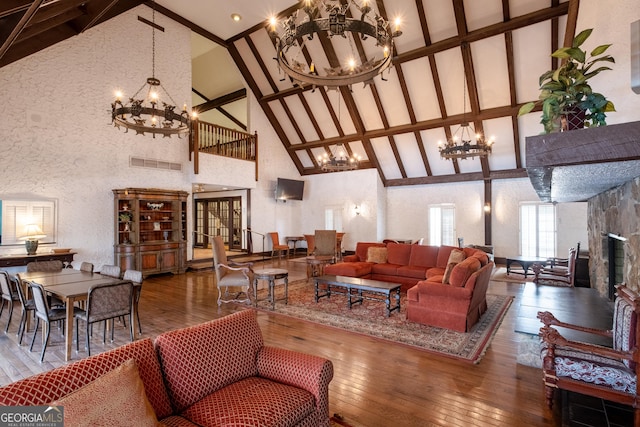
(15, 26)
(486, 32)
(9, 7)
(211, 104)
(459, 177)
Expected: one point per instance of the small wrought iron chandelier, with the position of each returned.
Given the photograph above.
(339, 160)
(465, 142)
(297, 28)
(143, 115)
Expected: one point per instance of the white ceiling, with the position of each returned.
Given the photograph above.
(215, 16)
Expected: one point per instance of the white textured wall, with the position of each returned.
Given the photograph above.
(55, 125)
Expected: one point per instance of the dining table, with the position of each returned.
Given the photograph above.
(69, 286)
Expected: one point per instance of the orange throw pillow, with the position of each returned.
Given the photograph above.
(456, 256)
(115, 399)
(377, 255)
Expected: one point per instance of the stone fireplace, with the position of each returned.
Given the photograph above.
(614, 238)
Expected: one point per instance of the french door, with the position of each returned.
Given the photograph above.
(218, 217)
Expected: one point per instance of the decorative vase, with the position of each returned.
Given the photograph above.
(127, 227)
(572, 119)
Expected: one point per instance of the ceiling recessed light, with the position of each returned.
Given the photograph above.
(236, 17)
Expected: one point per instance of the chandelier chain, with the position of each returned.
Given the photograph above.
(153, 41)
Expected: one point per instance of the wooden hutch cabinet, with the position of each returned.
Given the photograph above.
(150, 230)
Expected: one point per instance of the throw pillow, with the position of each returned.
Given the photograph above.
(377, 255)
(456, 256)
(115, 399)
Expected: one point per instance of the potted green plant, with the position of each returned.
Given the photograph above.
(124, 217)
(566, 91)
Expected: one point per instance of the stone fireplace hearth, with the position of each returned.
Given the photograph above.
(614, 221)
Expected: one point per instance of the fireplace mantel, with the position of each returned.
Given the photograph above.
(577, 165)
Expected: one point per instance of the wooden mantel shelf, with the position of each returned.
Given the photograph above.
(577, 165)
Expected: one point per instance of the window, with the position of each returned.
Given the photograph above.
(538, 230)
(17, 214)
(442, 225)
(333, 219)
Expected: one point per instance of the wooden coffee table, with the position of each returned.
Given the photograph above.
(353, 287)
(526, 262)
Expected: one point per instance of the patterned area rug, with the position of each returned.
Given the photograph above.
(369, 319)
(500, 275)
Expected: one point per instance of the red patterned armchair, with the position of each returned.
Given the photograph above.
(603, 372)
(212, 374)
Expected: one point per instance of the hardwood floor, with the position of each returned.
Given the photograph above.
(375, 383)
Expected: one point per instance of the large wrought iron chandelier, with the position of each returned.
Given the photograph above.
(465, 142)
(144, 115)
(338, 160)
(308, 20)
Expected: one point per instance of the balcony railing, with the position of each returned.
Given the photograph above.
(213, 139)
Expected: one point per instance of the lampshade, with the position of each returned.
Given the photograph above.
(32, 232)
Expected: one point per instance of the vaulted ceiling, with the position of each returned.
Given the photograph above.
(457, 60)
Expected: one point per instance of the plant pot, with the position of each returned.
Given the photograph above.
(572, 120)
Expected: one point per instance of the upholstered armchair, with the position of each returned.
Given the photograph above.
(230, 274)
(594, 370)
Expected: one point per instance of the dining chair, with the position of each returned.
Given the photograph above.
(27, 305)
(105, 301)
(9, 296)
(276, 246)
(339, 237)
(40, 266)
(86, 266)
(46, 314)
(135, 276)
(311, 243)
(325, 242)
(230, 274)
(558, 276)
(111, 271)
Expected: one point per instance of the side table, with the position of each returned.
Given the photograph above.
(271, 275)
(316, 263)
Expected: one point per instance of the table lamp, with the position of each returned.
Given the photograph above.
(32, 233)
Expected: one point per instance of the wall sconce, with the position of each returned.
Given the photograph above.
(487, 207)
(356, 210)
(32, 233)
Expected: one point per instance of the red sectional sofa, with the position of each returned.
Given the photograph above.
(212, 374)
(406, 264)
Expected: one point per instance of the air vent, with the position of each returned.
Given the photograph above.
(154, 164)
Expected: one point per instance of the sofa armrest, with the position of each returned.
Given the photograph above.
(305, 371)
(350, 258)
(427, 289)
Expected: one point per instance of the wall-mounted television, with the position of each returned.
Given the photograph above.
(289, 189)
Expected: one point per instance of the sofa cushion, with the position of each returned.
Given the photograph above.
(386, 269)
(443, 255)
(412, 271)
(435, 271)
(424, 256)
(351, 269)
(377, 255)
(43, 388)
(476, 253)
(238, 404)
(455, 257)
(363, 247)
(463, 270)
(398, 253)
(193, 370)
(115, 399)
